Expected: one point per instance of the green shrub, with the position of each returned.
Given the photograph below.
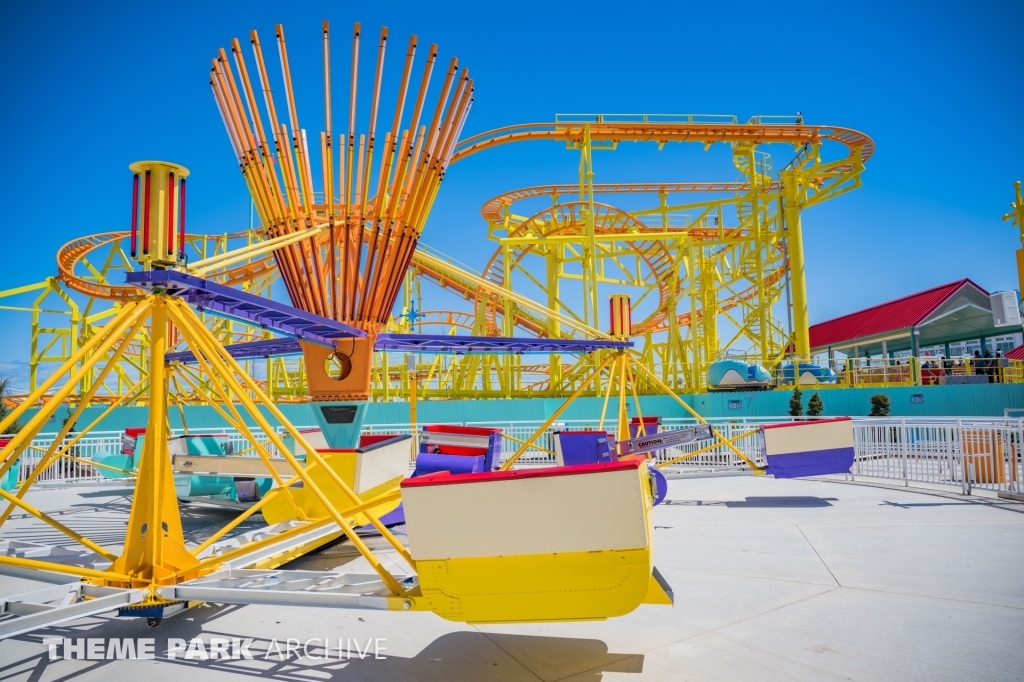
(796, 403)
(815, 407)
(879, 405)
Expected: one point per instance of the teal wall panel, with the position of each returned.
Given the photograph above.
(984, 400)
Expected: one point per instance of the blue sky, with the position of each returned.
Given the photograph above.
(90, 87)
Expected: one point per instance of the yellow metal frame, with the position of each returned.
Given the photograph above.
(154, 552)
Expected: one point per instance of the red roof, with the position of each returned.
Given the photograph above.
(1015, 354)
(902, 313)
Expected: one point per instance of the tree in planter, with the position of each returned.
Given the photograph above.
(815, 407)
(5, 391)
(796, 403)
(879, 405)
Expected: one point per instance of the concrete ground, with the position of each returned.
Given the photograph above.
(773, 580)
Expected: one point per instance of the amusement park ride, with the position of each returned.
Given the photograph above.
(192, 316)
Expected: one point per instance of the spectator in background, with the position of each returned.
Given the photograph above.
(990, 370)
(947, 365)
(979, 363)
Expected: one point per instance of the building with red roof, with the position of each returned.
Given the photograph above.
(952, 313)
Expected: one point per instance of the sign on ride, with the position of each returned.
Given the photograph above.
(665, 439)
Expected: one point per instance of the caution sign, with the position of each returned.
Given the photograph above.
(665, 439)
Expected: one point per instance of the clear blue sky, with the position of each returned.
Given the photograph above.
(89, 87)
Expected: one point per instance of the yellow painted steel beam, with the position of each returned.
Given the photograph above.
(80, 571)
(185, 318)
(699, 418)
(53, 523)
(519, 299)
(556, 414)
(707, 448)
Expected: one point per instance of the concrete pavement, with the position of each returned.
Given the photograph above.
(773, 580)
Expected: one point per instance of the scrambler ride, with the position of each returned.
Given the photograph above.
(483, 546)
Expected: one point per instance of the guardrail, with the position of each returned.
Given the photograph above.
(903, 371)
(968, 452)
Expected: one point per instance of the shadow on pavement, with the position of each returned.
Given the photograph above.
(468, 655)
(777, 502)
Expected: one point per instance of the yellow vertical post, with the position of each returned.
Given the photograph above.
(709, 308)
(622, 431)
(154, 547)
(591, 314)
(1016, 216)
(413, 381)
(798, 282)
(552, 257)
(508, 320)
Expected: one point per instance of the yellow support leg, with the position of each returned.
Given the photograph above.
(112, 329)
(239, 423)
(29, 431)
(622, 428)
(758, 471)
(56, 524)
(154, 549)
(50, 455)
(200, 339)
(561, 408)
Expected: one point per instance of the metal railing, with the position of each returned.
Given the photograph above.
(969, 452)
(963, 452)
(65, 469)
(647, 118)
(905, 371)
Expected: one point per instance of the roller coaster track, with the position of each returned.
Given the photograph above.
(860, 146)
(669, 129)
(74, 253)
(654, 253)
(491, 210)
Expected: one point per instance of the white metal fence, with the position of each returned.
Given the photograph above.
(968, 452)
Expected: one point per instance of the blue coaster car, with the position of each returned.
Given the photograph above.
(735, 375)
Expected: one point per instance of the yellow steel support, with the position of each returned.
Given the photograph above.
(795, 249)
(556, 414)
(223, 363)
(670, 393)
(154, 548)
(1016, 217)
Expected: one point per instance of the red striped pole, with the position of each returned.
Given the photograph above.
(135, 213)
(145, 219)
(170, 214)
(181, 223)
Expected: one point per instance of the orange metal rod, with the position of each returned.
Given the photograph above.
(433, 169)
(261, 136)
(375, 224)
(374, 106)
(433, 133)
(293, 117)
(246, 135)
(271, 183)
(349, 177)
(383, 262)
(235, 146)
(359, 223)
(444, 156)
(292, 169)
(311, 262)
(304, 250)
(419, 164)
(399, 233)
(327, 161)
(384, 207)
(460, 101)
